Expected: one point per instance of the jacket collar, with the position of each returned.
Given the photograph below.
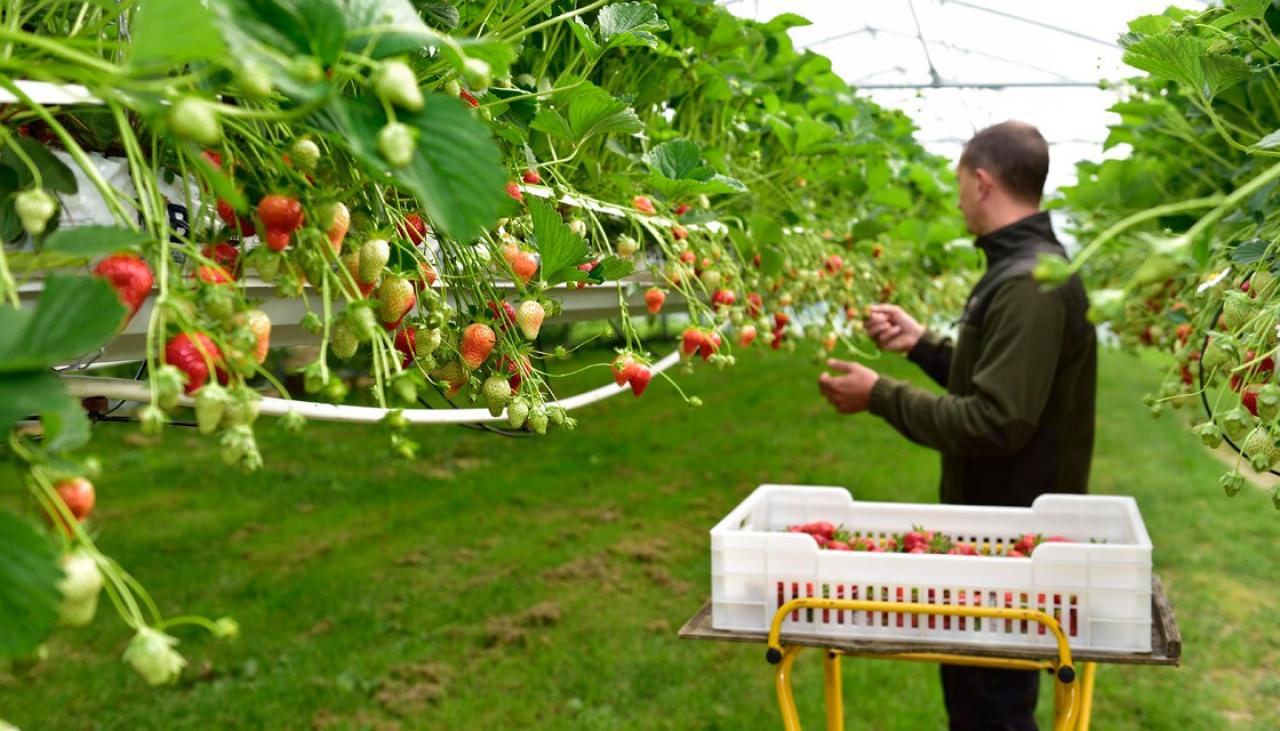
(1019, 238)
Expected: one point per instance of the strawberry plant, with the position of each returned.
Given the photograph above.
(426, 189)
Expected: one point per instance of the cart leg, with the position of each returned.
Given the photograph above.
(834, 691)
(786, 699)
(1089, 673)
(1066, 705)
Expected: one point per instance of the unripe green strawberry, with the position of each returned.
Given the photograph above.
(344, 341)
(151, 654)
(80, 585)
(1261, 283)
(1261, 449)
(1231, 483)
(363, 322)
(194, 119)
(497, 392)
(373, 257)
(1209, 434)
(1268, 401)
(305, 153)
(1236, 423)
(405, 388)
(34, 208)
(211, 403)
(529, 318)
(396, 298)
(477, 72)
(428, 341)
(243, 404)
(557, 415)
(517, 412)
(395, 82)
(627, 246)
(538, 419)
(255, 81)
(397, 144)
(240, 449)
(1221, 352)
(1237, 309)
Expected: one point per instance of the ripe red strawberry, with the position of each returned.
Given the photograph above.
(396, 299)
(838, 546)
(78, 495)
(518, 370)
(691, 341)
(504, 314)
(586, 267)
(240, 225)
(1183, 332)
(513, 190)
(644, 205)
(280, 216)
(834, 263)
(746, 335)
(877, 251)
(529, 318)
(679, 233)
(193, 356)
(468, 98)
(688, 257)
(829, 342)
(532, 177)
(778, 336)
(709, 345)
(260, 325)
(755, 305)
(339, 218)
(755, 261)
(414, 229)
(407, 344)
(1249, 399)
(682, 209)
(214, 157)
(428, 274)
(477, 343)
(781, 320)
(222, 254)
(622, 367)
(639, 377)
(723, 298)
(653, 300)
(131, 278)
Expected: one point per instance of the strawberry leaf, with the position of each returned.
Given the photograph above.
(585, 112)
(629, 24)
(172, 34)
(74, 316)
(29, 596)
(560, 248)
(90, 241)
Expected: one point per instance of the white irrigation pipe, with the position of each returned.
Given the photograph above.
(128, 390)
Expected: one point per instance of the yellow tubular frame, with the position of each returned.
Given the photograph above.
(1073, 702)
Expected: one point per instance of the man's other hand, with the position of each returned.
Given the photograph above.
(893, 329)
(850, 391)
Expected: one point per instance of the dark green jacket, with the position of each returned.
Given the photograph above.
(1017, 420)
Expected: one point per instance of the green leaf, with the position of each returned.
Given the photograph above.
(812, 136)
(54, 173)
(1169, 57)
(441, 15)
(585, 37)
(42, 394)
(1249, 252)
(629, 24)
(173, 33)
(74, 316)
(587, 111)
(560, 248)
(893, 196)
(678, 160)
(1270, 142)
(611, 269)
(456, 172)
(1223, 72)
(1243, 10)
(91, 241)
(29, 596)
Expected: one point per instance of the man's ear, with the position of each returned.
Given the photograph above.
(986, 181)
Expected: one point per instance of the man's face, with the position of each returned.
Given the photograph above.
(971, 198)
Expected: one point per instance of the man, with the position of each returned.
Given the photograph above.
(1017, 420)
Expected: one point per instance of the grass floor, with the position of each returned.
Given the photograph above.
(538, 583)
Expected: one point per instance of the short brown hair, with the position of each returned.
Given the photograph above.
(1015, 153)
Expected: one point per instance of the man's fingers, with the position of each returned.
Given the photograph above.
(843, 366)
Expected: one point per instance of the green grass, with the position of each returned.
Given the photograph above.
(538, 583)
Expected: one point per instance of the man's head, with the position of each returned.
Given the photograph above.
(1001, 173)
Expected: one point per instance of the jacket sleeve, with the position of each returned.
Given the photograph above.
(1021, 342)
(933, 354)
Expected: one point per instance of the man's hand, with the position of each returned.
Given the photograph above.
(849, 392)
(893, 329)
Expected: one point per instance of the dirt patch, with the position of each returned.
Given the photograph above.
(449, 468)
(658, 626)
(412, 559)
(363, 720)
(412, 688)
(601, 514)
(139, 440)
(663, 578)
(323, 627)
(643, 550)
(516, 629)
(247, 531)
(584, 568)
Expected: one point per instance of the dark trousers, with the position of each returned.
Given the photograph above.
(990, 699)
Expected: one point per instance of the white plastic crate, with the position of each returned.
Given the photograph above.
(1098, 586)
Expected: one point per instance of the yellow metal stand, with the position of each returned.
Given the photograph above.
(1072, 694)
